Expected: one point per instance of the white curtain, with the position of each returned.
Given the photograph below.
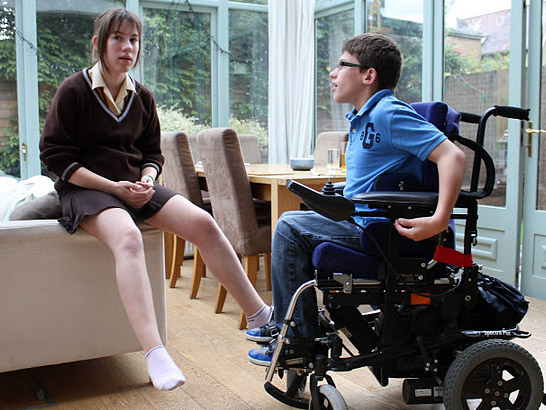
(291, 78)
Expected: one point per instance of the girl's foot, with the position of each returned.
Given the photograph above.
(163, 371)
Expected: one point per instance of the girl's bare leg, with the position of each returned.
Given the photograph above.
(116, 229)
(182, 218)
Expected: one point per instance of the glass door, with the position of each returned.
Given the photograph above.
(478, 75)
(9, 129)
(533, 278)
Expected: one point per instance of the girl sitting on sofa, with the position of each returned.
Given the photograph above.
(102, 140)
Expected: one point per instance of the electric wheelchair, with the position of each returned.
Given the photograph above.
(426, 324)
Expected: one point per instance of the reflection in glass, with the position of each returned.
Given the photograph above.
(401, 20)
(331, 33)
(9, 134)
(248, 73)
(476, 77)
(176, 61)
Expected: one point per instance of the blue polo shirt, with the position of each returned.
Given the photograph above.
(386, 136)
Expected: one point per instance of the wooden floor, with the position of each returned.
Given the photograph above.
(212, 353)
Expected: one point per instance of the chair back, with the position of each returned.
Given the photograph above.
(194, 147)
(229, 190)
(446, 120)
(325, 140)
(249, 145)
(179, 170)
(251, 148)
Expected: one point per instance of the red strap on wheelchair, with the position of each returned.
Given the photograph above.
(452, 257)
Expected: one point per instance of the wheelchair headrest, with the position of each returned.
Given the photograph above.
(446, 120)
(453, 119)
(440, 115)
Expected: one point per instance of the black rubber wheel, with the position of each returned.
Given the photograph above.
(330, 399)
(493, 374)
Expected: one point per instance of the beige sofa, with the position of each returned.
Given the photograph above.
(58, 295)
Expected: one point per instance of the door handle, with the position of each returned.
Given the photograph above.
(24, 150)
(530, 131)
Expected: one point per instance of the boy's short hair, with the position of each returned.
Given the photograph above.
(380, 52)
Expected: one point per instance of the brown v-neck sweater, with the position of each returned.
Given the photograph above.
(80, 130)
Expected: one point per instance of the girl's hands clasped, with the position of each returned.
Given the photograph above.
(134, 194)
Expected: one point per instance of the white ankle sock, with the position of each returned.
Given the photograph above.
(163, 371)
(261, 317)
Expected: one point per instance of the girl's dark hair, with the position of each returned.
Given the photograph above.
(380, 52)
(108, 22)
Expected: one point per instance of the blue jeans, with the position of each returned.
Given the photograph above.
(296, 235)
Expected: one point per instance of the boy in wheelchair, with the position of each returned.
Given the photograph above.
(386, 137)
(378, 249)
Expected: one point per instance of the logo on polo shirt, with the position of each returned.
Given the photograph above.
(369, 136)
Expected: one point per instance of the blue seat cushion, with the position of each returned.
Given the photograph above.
(366, 262)
(330, 257)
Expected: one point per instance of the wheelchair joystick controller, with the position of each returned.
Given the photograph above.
(328, 188)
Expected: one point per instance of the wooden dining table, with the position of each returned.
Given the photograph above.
(268, 182)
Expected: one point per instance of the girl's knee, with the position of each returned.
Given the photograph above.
(205, 227)
(130, 241)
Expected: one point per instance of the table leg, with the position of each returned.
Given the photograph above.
(282, 200)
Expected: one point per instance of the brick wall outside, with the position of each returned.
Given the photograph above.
(8, 106)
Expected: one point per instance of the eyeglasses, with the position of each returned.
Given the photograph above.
(346, 64)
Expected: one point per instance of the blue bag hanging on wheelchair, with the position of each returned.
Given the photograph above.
(501, 304)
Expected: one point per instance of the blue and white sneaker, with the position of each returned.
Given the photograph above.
(263, 334)
(262, 356)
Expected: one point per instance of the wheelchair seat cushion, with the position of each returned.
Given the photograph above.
(367, 262)
(330, 257)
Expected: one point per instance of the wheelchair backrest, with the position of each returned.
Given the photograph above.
(446, 120)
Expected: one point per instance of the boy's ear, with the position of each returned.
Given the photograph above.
(369, 76)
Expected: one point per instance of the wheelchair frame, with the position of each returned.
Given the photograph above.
(435, 366)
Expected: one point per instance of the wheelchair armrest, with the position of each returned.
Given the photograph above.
(335, 207)
(417, 200)
(397, 203)
(398, 199)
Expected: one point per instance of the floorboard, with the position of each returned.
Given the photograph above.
(212, 353)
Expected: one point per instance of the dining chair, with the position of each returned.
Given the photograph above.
(179, 174)
(249, 145)
(194, 147)
(250, 148)
(325, 140)
(232, 205)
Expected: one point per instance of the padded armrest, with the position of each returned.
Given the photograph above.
(389, 199)
(334, 207)
(410, 199)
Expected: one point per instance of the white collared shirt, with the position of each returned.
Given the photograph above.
(117, 105)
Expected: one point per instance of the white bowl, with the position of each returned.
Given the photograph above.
(301, 164)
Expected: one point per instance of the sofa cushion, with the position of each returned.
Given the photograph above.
(44, 207)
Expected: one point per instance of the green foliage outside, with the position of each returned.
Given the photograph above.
(9, 152)
(177, 60)
(61, 52)
(175, 120)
